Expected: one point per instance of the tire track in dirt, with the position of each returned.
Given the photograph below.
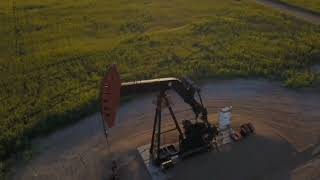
(296, 11)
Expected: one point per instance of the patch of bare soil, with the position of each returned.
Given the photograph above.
(288, 130)
(316, 68)
(296, 11)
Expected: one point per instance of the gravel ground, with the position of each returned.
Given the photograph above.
(288, 131)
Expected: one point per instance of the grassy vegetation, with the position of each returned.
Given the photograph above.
(54, 53)
(313, 5)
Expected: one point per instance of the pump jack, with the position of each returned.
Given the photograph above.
(195, 136)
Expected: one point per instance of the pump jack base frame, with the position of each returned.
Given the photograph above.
(158, 173)
(154, 171)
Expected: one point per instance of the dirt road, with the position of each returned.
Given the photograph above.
(293, 10)
(288, 130)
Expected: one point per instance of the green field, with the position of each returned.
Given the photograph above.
(53, 53)
(313, 5)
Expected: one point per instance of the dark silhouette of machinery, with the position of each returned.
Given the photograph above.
(195, 137)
